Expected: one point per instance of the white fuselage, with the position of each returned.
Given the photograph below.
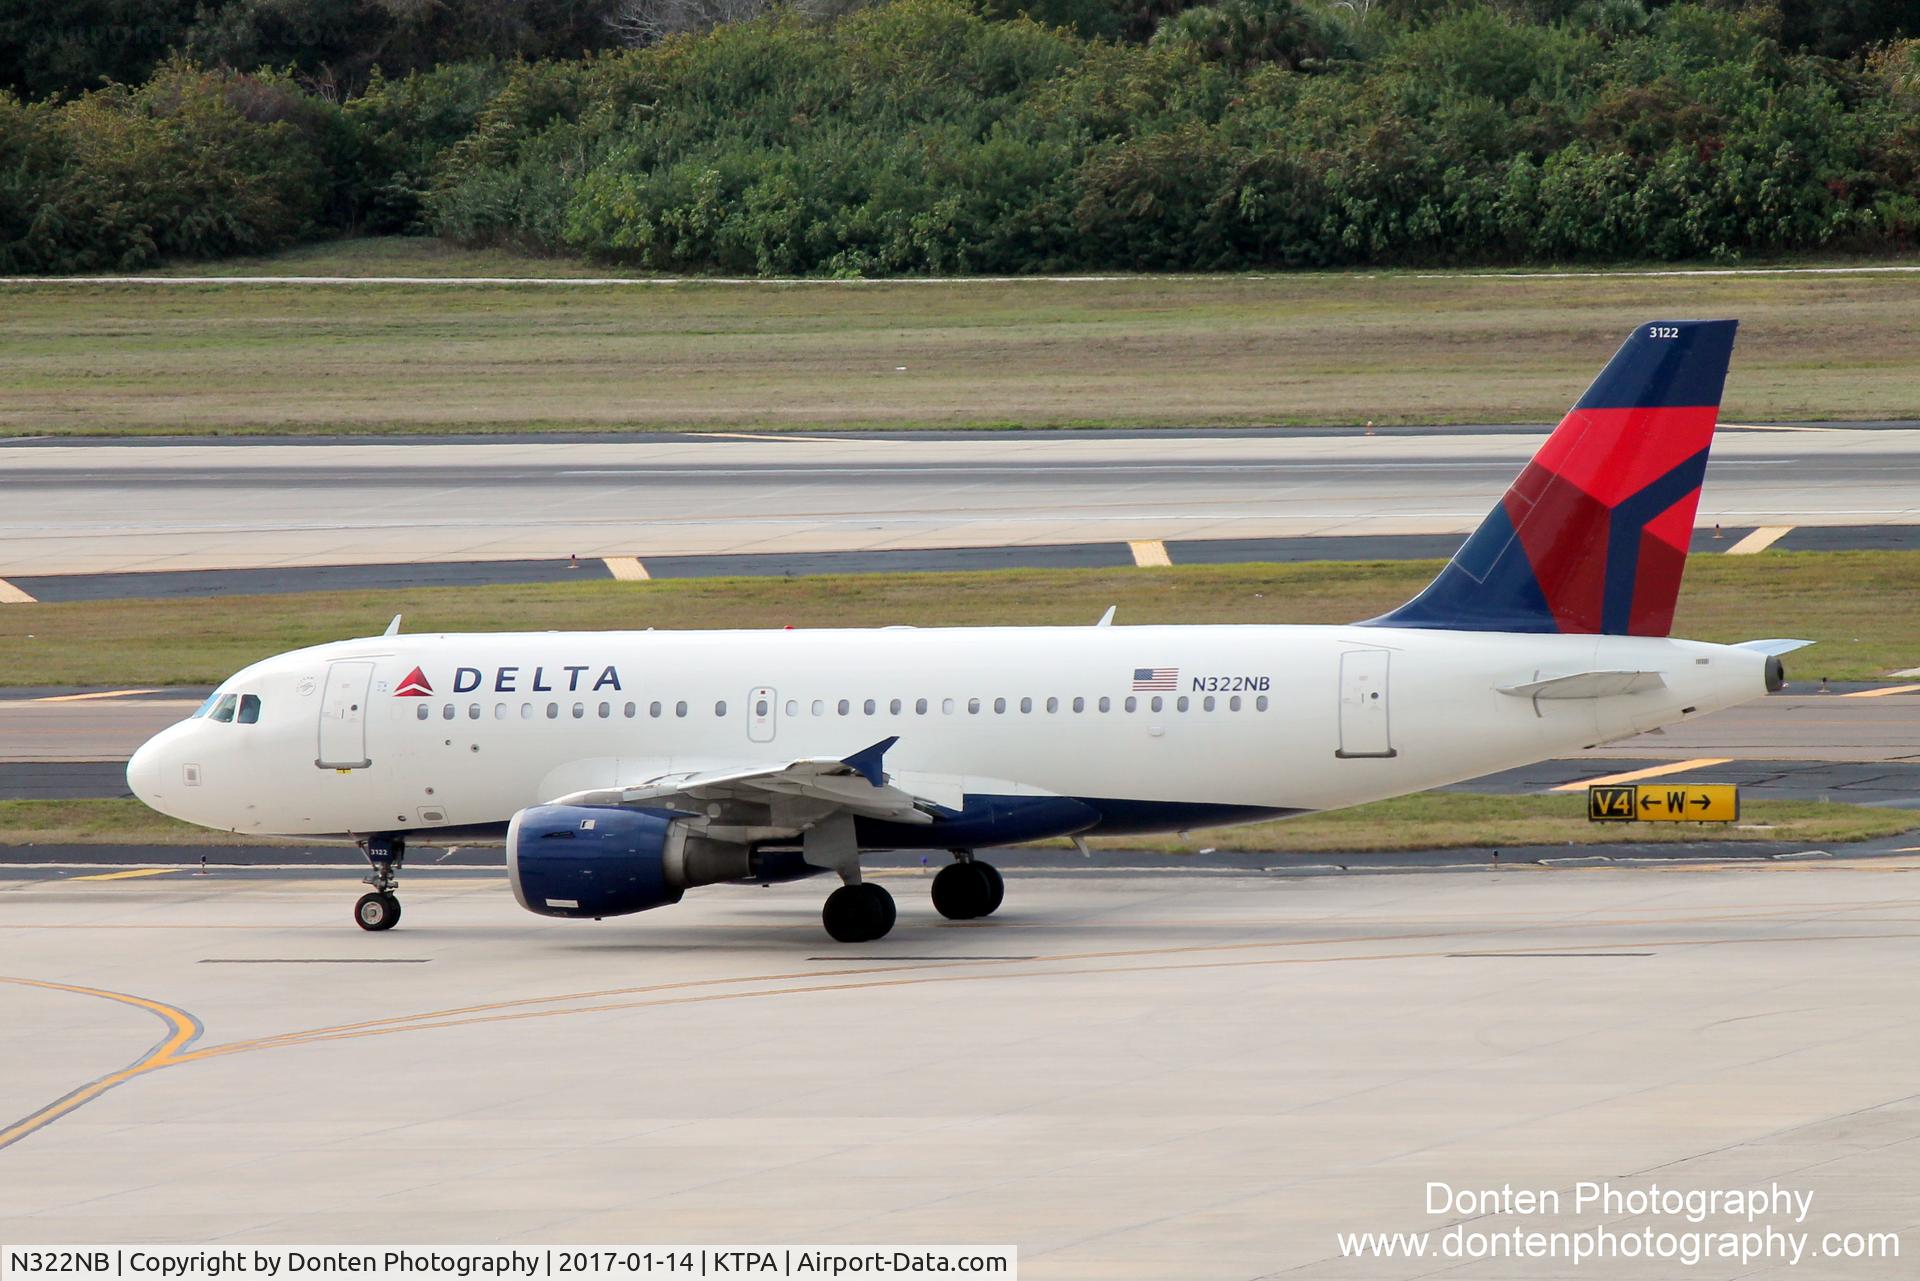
(1248, 718)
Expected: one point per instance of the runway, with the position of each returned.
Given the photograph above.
(98, 509)
(1169, 1076)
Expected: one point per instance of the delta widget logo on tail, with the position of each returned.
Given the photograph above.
(416, 685)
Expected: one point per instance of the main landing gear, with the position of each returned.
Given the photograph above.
(968, 889)
(380, 910)
(858, 913)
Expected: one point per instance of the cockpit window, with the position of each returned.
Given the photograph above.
(223, 710)
(205, 707)
(249, 709)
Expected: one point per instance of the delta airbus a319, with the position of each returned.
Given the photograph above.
(624, 768)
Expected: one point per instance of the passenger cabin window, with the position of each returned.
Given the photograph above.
(868, 707)
(1053, 705)
(844, 707)
(1132, 702)
(999, 707)
(1260, 703)
(1106, 704)
(1079, 704)
(679, 709)
(553, 711)
(579, 710)
(653, 710)
(606, 710)
(446, 712)
(249, 713)
(920, 706)
(629, 710)
(973, 707)
(223, 710)
(894, 707)
(720, 708)
(421, 712)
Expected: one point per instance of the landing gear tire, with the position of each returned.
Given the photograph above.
(858, 913)
(376, 912)
(967, 891)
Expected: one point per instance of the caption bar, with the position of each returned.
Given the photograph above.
(520, 1263)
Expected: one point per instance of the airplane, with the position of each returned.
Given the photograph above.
(624, 768)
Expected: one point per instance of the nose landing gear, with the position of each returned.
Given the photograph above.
(380, 910)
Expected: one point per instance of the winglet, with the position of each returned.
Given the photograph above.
(393, 628)
(1106, 619)
(866, 761)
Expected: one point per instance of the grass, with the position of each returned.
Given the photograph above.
(1861, 607)
(1463, 820)
(1435, 820)
(1140, 352)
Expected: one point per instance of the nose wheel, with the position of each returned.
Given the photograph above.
(380, 910)
(968, 889)
(376, 912)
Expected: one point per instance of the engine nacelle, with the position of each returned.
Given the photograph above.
(590, 860)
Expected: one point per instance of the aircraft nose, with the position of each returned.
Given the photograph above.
(146, 773)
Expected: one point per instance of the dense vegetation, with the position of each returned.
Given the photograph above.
(929, 136)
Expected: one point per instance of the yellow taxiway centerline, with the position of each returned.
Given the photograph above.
(93, 697)
(1635, 775)
(182, 1028)
(128, 875)
(1882, 692)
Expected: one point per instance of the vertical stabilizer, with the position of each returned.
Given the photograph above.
(1592, 537)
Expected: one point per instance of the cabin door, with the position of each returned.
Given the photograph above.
(343, 716)
(1365, 722)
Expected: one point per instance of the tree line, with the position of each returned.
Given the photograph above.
(913, 136)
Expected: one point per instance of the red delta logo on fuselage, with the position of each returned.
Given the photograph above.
(416, 685)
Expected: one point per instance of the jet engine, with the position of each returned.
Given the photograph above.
(580, 860)
(606, 860)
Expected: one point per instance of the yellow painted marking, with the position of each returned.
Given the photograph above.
(97, 694)
(627, 569)
(128, 875)
(1150, 552)
(777, 435)
(182, 1028)
(1882, 692)
(1652, 771)
(11, 595)
(1759, 540)
(1771, 427)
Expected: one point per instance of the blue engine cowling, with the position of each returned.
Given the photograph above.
(590, 860)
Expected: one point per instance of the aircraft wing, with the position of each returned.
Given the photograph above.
(854, 784)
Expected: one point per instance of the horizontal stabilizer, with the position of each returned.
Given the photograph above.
(1773, 647)
(1588, 685)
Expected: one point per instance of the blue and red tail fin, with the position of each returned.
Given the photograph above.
(1592, 538)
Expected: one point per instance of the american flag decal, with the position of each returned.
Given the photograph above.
(1155, 678)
